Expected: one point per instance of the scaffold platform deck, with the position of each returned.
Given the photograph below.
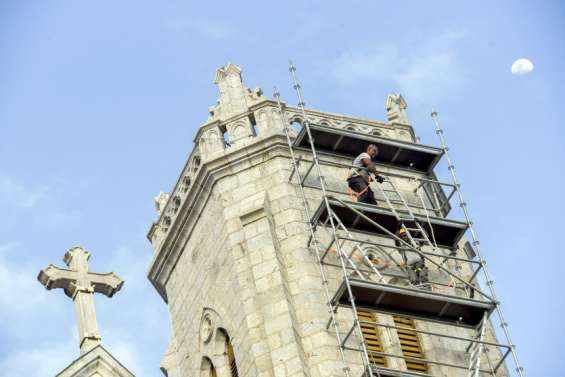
(386, 372)
(447, 232)
(350, 143)
(413, 302)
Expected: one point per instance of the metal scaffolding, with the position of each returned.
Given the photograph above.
(383, 283)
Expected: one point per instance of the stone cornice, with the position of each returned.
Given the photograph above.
(212, 171)
(341, 117)
(314, 112)
(264, 103)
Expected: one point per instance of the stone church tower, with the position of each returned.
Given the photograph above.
(247, 271)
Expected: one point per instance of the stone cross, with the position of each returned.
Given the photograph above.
(80, 285)
(396, 109)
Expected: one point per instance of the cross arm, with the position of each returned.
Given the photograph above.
(54, 277)
(107, 284)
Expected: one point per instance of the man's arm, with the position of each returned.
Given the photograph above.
(370, 165)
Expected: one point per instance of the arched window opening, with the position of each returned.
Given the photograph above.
(195, 163)
(231, 359)
(176, 203)
(229, 352)
(350, 127)
(166, 223)
(262, 117)
(207, 368)
(227, 142)
(296, 125)
(185, 184)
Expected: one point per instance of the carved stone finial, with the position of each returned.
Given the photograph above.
(227, 71)
(232, 92)
(396, 109)
(161, 201)
(235, 97)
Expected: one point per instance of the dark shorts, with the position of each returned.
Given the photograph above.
(358, 184)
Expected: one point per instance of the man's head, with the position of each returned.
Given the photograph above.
(372, 150)
(402, 233)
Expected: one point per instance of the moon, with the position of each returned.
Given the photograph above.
(522, 66)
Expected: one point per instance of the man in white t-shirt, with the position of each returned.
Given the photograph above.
(359, 177)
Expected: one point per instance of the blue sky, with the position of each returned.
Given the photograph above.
(99, 102)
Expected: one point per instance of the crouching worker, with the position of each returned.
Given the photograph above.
(360, 176)
(416, 265)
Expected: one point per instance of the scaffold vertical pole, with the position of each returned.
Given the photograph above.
(312, 232)
(306, 125)
(439, 131)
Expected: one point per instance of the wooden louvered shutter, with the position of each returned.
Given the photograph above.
(410, 344)
(372, 337)
(212, 371)
(231, 360)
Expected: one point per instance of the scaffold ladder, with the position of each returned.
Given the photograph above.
(417, 234)
(476, 349)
